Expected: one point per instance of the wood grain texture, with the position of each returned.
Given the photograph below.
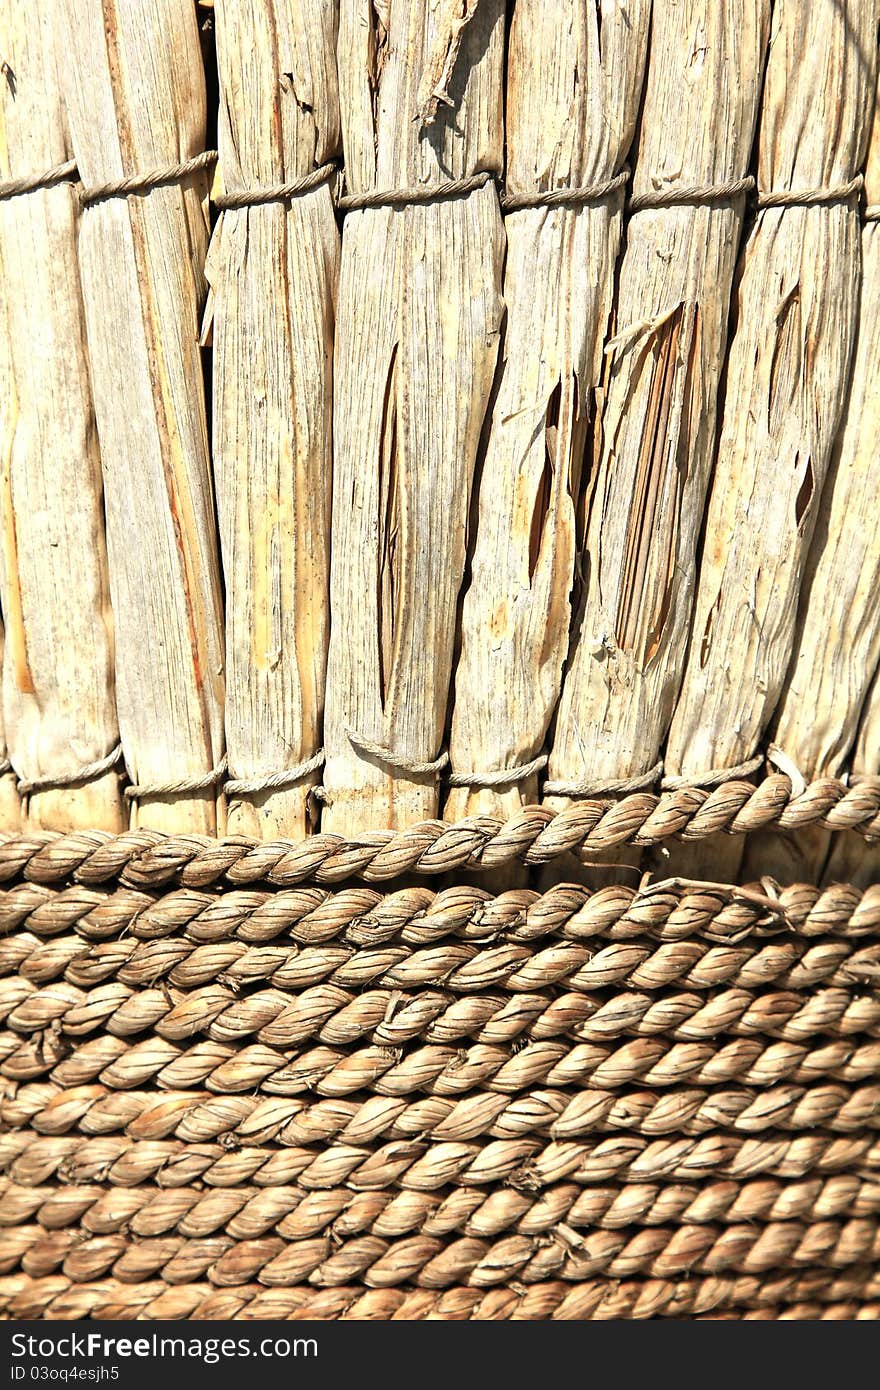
(58, 677)
(135, 92)
(664, 366)
(273, 271)
(417, 341)
(837, 637)
(574, 78)
(787, 376)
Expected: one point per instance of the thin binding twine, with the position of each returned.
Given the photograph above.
(400, 762)
(126, 187)
(141, 791)
(714, 777)
(501, 777)
(603, 786)
(28, 786)
(276, 193)
(275, 781)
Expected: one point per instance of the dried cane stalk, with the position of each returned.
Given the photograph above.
(837, 639)
(58, 691)
(273, 271)
(574, 78)
(664, 364)
(136, 100)
(416, 348)
(788, 370)
(854, 859)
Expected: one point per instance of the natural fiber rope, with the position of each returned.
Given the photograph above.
(95, 1209)
(811, 197)
(716, 776)
(565, 197)
(399, 761)
(687, 917)
(23, 1296)
(32, 183)
(871, 213)
(145, 182)
(139, 791)
(692, 194)
(438, 1262)
(5, 767)
(603, 786)
(277, 193)
(275, 781)
(90, 773)
(415, 197)
(519, 1164)
(333, 1011)
(502, 777)
(536, 835)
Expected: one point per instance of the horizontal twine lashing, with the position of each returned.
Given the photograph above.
(275, 781)
(400, 762)
(414, 197)
(276, 193)
(565, 197)
(714, 777)
(139, 791)
(811, 197)
(687, 195)
(500, 777)
(145, 182)
(604, 786)
(32, 183)
(27, 786)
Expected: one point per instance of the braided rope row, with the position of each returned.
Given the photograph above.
(504, 1064)
(119, 968)
(673, 910)
(59, 1297)
(296, 1214)
(431, 1262)
(805, 1312)
(36, 1044)
(535, 835)
(424, 1132)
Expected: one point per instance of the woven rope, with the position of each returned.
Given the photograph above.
(433, 1263)
(275, 781)
(676, 912)
(90, 773)
(692, 194)
(566, 197)
(22, 1296)
(535, 835)
(139, 791)
(395, 759)
(277, 193)
(524, 1165)
(502, 777)
(871, 213)
(194, 1211)
(587, 787)
(5, 767)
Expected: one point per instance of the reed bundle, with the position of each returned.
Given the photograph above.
(787, 376)
(570, 122)
(273, 268)
(58, 672)
(416, 348)
(135, 96)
